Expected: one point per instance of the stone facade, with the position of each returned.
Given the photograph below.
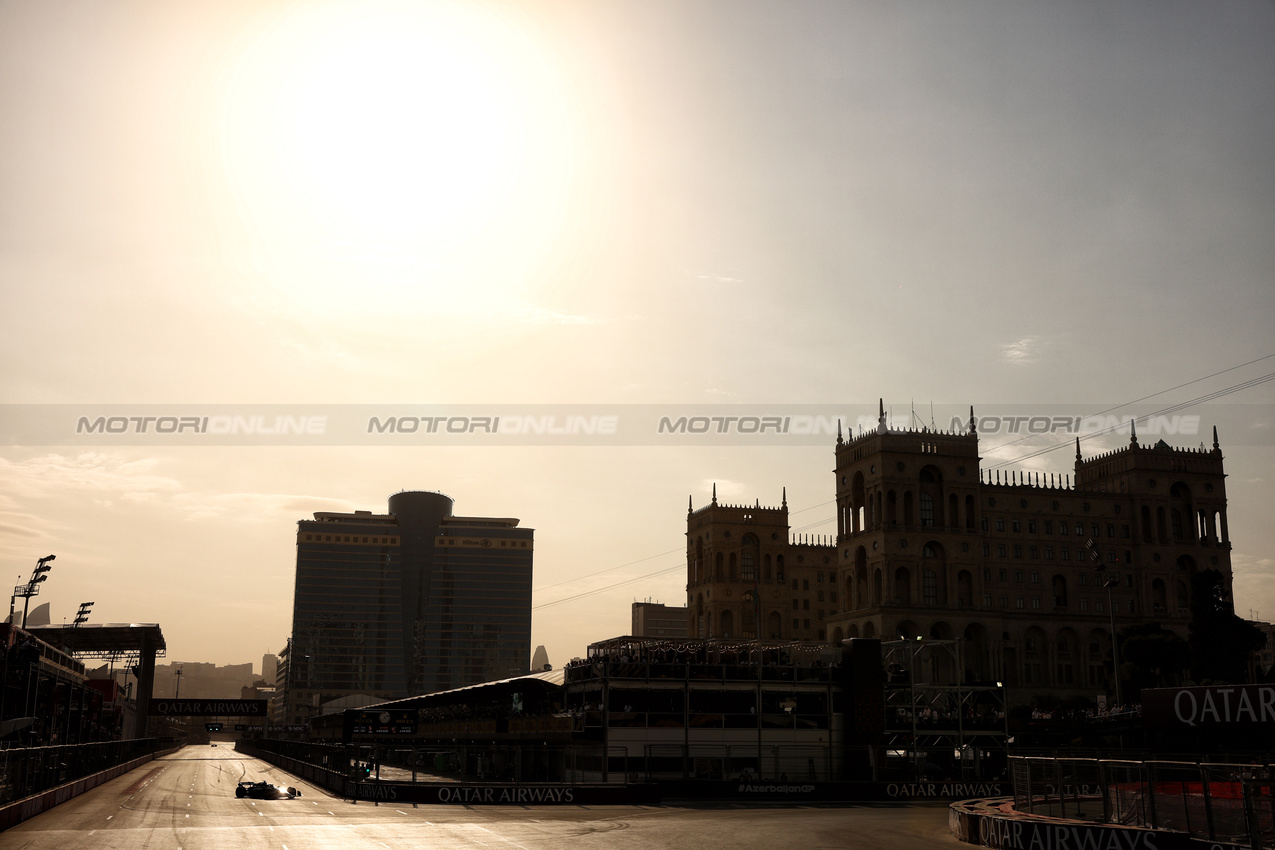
(743, 568)
(1026, 570)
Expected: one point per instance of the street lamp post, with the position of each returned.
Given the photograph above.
(1113, 579)
(177, 691)
(1110, 580)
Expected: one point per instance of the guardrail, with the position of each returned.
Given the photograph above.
(331, 765)
(1217, 802)
(30, 770)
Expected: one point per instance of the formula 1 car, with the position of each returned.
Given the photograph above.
(265, 791)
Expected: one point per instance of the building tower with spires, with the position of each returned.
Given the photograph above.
(1013, 565)
(743, 567)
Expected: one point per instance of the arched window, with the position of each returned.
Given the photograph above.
(927, 510)
(902, 586)
(1181, 512)
(1058, 587)
(1064, 665)
(858, 499)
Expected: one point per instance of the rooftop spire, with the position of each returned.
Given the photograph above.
(1077, 448)
(1133, 432)
(838, 430)
(714, 492)
(690, 505)
(881, 416)
(1215, 444)
(973, 426)
(785, 501)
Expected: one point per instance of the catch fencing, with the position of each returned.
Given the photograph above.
(1231, 803)
(26, 771)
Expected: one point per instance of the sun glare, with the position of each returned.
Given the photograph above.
(420, 151)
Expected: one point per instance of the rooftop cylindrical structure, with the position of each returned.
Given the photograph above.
(420, 508)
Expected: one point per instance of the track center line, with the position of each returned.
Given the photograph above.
(501, 837)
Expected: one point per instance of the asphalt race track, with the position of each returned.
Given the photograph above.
(187, 800)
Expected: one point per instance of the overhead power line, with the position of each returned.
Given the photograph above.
(1244, 385)
(1174, 408)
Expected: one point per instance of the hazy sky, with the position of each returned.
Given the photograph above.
(1063, 204)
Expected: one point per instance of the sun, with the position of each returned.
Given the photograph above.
(415, 150)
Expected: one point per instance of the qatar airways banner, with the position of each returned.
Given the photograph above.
(1229, 706)
(208, 707)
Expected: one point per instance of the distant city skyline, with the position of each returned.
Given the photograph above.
(1051, 209)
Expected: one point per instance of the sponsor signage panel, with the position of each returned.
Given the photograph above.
(1222, 706)
(394, 721)
(503, 795)
(202, 707)
(1023, 834)
(754, 789)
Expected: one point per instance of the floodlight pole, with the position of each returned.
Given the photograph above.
(1115, 644)
(33, 586)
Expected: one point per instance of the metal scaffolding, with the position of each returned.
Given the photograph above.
(937, 725)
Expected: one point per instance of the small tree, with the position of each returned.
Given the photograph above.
(1152, 656)
(1220, 641)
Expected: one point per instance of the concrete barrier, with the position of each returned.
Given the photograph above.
(994, 823)
(432, 793)
(28, 807)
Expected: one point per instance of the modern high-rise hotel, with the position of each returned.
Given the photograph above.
(409, 602)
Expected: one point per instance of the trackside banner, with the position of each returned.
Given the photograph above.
(202, 707)
(1229, 706)
(505, 795)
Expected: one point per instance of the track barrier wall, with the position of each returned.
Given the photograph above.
(1092, 804)
(33, 768)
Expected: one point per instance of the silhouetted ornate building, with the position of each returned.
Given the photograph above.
(1022, 569)
(742, 568)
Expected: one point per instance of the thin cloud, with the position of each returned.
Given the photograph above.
(711, 277)
(726, 488)
(257, 507)
(104, 475)
(545, 316)
(1021, 352)
(27, 531)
